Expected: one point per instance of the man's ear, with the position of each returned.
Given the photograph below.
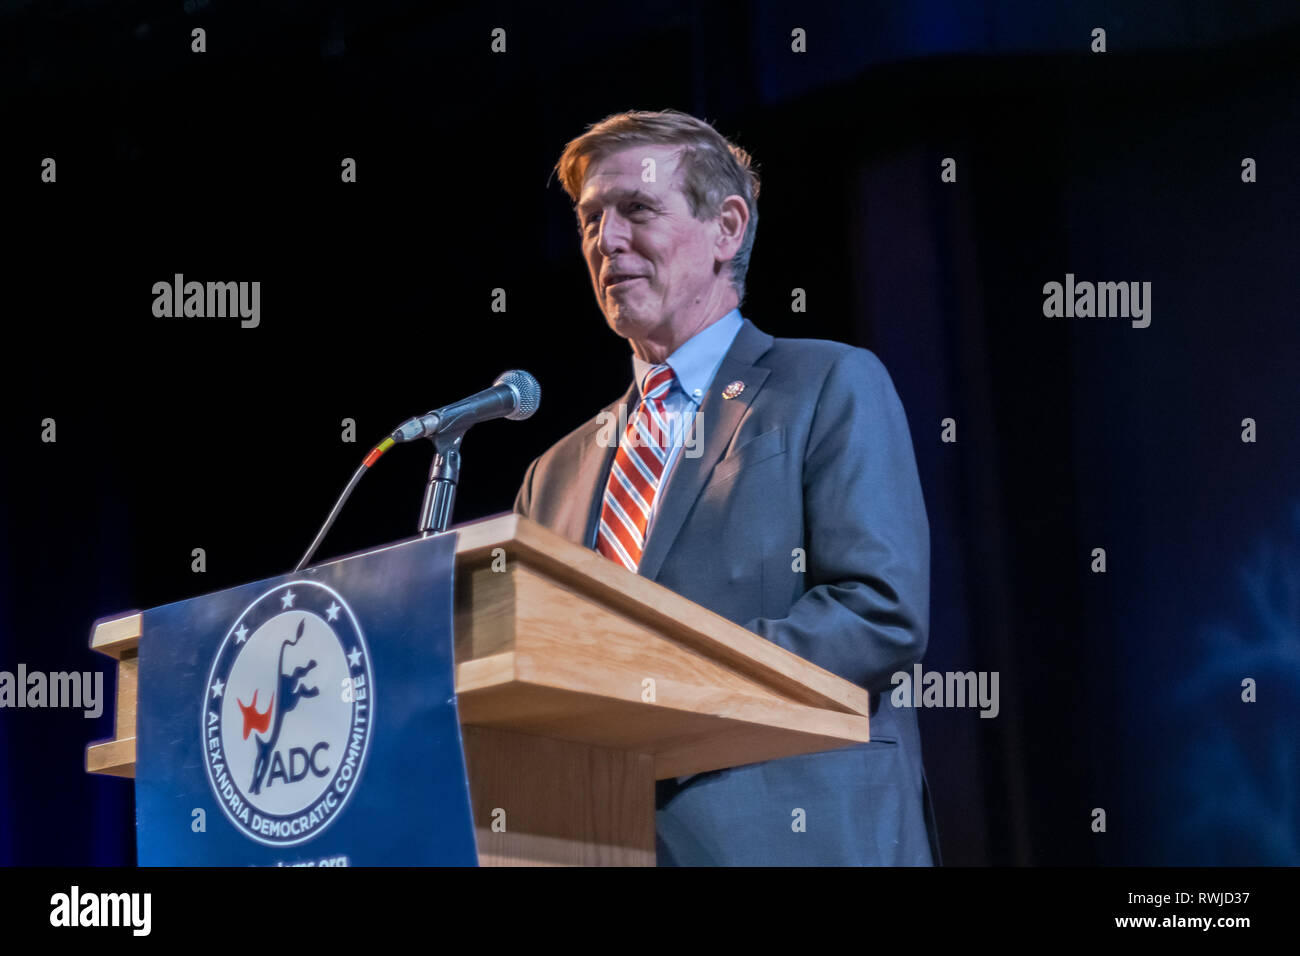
(733, 220)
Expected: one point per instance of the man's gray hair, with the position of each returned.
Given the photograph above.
(712, 167)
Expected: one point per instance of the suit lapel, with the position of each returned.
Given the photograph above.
(719, 419)
(588, 487)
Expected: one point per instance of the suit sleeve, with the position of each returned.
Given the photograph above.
(866, 612)
(524, 499)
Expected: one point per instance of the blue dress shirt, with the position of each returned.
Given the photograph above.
(694, 364)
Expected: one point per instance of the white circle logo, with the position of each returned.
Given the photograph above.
(287, 714)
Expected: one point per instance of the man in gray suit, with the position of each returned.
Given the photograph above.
(769, 480)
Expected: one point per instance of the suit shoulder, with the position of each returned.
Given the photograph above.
(809, 356)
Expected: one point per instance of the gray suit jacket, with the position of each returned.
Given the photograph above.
(813, 454)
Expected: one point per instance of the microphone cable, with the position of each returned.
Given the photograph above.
(369, 460)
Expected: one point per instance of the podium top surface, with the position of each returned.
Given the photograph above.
(590, 572)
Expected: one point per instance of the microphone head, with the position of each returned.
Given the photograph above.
(524, 386)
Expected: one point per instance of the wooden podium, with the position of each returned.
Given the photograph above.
(579, 684)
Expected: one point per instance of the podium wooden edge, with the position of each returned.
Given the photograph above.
(117, 635)
(119, 638)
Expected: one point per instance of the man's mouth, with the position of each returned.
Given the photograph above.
(618, 280)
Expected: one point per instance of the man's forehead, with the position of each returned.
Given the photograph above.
(620, 175)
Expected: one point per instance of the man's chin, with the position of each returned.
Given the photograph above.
(630, 325)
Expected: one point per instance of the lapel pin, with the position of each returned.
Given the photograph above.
(734, 389)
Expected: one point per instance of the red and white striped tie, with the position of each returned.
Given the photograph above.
(635, 475)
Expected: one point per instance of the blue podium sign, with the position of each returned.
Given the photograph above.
(308, 719)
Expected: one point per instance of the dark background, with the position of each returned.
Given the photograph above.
(1118, 690)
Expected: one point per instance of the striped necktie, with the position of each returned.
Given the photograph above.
(635, 475)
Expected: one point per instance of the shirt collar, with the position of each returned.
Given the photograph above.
(697, 359)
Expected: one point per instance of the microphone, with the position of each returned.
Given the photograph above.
(514, 394)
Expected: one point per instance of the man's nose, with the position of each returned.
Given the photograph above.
(613, 234)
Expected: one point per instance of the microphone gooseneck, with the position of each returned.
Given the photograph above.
(514, 394)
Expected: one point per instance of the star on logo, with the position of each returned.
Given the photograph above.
(241, 635)
(332, 612)
(355, 657)
(287, 599)
(217, 688)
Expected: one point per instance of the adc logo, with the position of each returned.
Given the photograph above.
(288, 714)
